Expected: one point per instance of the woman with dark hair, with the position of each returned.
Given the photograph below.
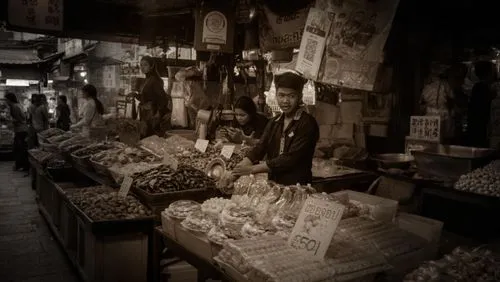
(92, 111)
(249, 124)
(20, 132)
(63, 113)
(154, 102)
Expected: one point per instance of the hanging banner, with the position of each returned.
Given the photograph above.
(281, 32)
(44, 15)
(360, 75)
(360, 28)
(214, 30)
(109, 76)
(356, 41)
(313, 43)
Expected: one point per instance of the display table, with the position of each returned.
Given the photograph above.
(206, 269)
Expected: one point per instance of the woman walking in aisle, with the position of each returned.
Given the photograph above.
(20, 133)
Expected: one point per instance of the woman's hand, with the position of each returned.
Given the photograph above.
(235, 135)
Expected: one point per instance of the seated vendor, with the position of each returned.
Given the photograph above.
(288, 140)
(249, 124)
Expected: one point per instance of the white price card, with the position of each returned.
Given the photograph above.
(170, 161)
(315, 226)
(201, 145)
(227, 151)
(125, 187)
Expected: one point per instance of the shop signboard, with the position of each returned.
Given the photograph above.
(109, 76)
(281, 32)
(214, 30)
(43, 15)
(315, 226)
(313, 43)
(425, 128)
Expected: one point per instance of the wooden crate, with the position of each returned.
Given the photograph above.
(109, 258)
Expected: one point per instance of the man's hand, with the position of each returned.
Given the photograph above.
(245, 162)
(243, 170)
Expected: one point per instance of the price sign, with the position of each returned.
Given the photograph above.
(36, 14)
(201, 145)
(227, 151)
(315, 226)
(425, 128)
(125, 187)
(170, 161)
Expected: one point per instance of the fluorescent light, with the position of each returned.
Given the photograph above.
(17, 82)
(50, 81)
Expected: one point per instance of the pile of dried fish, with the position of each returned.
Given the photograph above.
(163, 179)
(96, 148)
(123, 156)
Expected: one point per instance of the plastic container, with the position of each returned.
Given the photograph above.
(450, 162)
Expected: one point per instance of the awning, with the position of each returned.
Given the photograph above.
(19, 57)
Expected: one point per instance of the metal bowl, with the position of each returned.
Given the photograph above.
(216, 169)
(387, 161)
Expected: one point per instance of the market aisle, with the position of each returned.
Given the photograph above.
(27, 250)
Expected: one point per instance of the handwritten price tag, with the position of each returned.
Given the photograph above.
(201, 145)
(170, 161)
(315, 226)
(125, 187)
(227, 151)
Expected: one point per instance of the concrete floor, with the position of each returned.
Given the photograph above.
(28, 252)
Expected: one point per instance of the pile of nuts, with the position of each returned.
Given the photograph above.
(102, 203)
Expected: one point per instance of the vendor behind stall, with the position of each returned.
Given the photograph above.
(288, 140)
(249, 124)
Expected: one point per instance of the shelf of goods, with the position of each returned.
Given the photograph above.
(245, 237)
(474, 199)
(95, 227)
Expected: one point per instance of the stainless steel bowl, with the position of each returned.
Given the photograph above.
(216, 169)
(386, 161)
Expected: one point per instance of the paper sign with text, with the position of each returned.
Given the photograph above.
(201, 145)
(170, 161)
(315, 226)
(227, 151)
(45, 15)
(425, 128)
(125, 187)
(313, 43)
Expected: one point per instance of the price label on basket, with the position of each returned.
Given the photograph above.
(125, 187)
(170, 161)
(201, 145)
(227, 151)
(315, 226)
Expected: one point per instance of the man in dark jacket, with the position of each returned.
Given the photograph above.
(289, 140)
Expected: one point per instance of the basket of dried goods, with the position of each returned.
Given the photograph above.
(103, 208)
(160, 186)
(82, 156)
(51, 132)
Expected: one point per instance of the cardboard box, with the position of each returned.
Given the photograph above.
(168, 225)
(380, 208)
(196, 244)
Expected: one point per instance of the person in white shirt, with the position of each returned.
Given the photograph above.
(92, 111)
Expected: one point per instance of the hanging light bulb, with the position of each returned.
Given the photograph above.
(86, 81)
(83, 74)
